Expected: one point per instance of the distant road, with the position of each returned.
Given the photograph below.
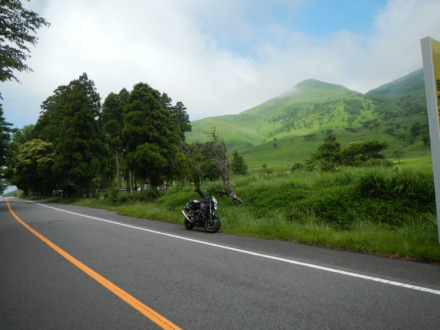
(69, 267)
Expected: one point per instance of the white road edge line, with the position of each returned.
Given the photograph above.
(299, 263)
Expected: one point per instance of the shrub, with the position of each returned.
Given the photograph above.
(298, 167)
(396, 197)
(378, 162)
(117, 198)
(413, 185)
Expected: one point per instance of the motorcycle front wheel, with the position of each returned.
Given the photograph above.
(213, 225)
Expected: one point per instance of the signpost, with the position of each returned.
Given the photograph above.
(431, 68)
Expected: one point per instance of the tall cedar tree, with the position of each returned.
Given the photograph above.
(17, 26)
(179, 118)
(69, 121)
(112, 123)
(148, 134)
(179, 123)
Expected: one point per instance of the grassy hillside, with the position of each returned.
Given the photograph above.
(286, 129)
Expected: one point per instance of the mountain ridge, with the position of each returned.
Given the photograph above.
(316, 107)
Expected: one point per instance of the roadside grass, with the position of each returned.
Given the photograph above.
(381, 211)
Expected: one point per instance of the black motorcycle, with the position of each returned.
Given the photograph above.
(200, 213)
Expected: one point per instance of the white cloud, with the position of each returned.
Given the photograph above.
(215, 57)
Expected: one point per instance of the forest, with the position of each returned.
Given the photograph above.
(79, 146)
(134, 141)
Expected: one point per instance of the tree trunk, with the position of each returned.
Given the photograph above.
(118, 174)
(220, 159)
(130, 181)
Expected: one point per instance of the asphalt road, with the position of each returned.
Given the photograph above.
(193, 280)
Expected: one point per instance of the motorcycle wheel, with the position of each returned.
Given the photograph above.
(188, 225)
(213, 226)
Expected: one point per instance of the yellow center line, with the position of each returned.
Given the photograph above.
(129, 299)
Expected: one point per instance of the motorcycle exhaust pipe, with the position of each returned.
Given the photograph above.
(186, 217)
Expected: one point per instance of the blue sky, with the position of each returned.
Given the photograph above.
(322, 18)
(316, 19)
(220, 57)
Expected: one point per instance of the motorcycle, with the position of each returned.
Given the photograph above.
(200, 213)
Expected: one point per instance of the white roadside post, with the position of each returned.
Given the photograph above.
(431, 69)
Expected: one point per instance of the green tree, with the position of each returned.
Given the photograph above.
(17, 28)
(238, 164)
(415, 129)
(112, 124)
(69, 121)
(179, 124)
(198, 164)
(352, 153)
(358, 153)
(24, 134)
(426, 139)
(149, 138)
(19, 137)
(329, 154)
(53, 114)
(372, 150)
(33, 169)
(424, 134)
(5, 138)
(298, 166)
(398, 154)
(5, 148)
(179, 119)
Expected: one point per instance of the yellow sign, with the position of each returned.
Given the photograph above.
(431, 68)
(435, 48)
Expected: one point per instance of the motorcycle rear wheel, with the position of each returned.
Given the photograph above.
(213, 226)
(188, 225)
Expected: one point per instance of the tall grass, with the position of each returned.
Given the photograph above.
(373, 210)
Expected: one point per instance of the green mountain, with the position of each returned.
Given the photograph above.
(408, 84)
(285, 129)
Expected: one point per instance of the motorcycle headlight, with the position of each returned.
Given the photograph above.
(214, 201)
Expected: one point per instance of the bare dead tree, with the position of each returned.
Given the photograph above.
(217, 149)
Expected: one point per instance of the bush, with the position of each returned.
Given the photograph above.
(415, 186)
(396, 197)
(378, 162)
(298, 167)
(121, 197)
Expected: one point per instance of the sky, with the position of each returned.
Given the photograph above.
(219, 57)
